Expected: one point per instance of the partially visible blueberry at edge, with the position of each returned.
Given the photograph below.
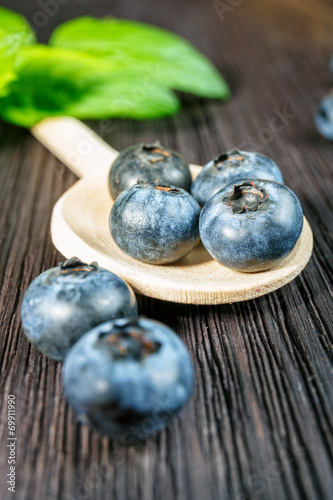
(324, 117)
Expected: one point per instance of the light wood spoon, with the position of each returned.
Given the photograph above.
(79, 227)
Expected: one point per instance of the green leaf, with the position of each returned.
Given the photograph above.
(54, 82)
(167, 57)
(15, 32)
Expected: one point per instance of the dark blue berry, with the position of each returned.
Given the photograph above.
(65, 302)
(251, 225)
(324, 117)
(229, 167)
(128, 378)
(148, 163)
(155, 223)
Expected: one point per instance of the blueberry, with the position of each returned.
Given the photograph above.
(324, 117)
(155, 223)
(65, 302)
(128, 378)
(229, 167)
(251, 225)
(148, 163)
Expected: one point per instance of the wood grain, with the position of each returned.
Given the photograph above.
(260, 423)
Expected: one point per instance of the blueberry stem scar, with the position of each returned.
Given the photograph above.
(167, 189)
(156, 149)
(246, 197)
(76, 265)
(159, 187)
(129, 341)
(234, 154)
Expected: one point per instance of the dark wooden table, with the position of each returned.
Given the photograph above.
(259, 425)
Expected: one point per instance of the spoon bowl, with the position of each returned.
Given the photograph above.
(79, 227)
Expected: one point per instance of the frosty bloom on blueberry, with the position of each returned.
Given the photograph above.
(149, 163)
(251, 225)
(65, 302)
(230, 167)
(155, 223)
(128, 378)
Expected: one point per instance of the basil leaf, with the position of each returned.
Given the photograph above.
(168, 57)
(54, 82)
(15, 32)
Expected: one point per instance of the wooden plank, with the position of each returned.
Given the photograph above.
(260, 423)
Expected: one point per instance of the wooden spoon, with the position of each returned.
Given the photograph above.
(79, 227)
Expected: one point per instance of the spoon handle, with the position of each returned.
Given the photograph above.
(75, 144)
(78, 147)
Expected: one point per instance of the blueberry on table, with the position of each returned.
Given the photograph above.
(229, 167)
(324, 117)
(149, 163)
(65, 302)
(127, 378)
(155, 223)
(251, 225)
